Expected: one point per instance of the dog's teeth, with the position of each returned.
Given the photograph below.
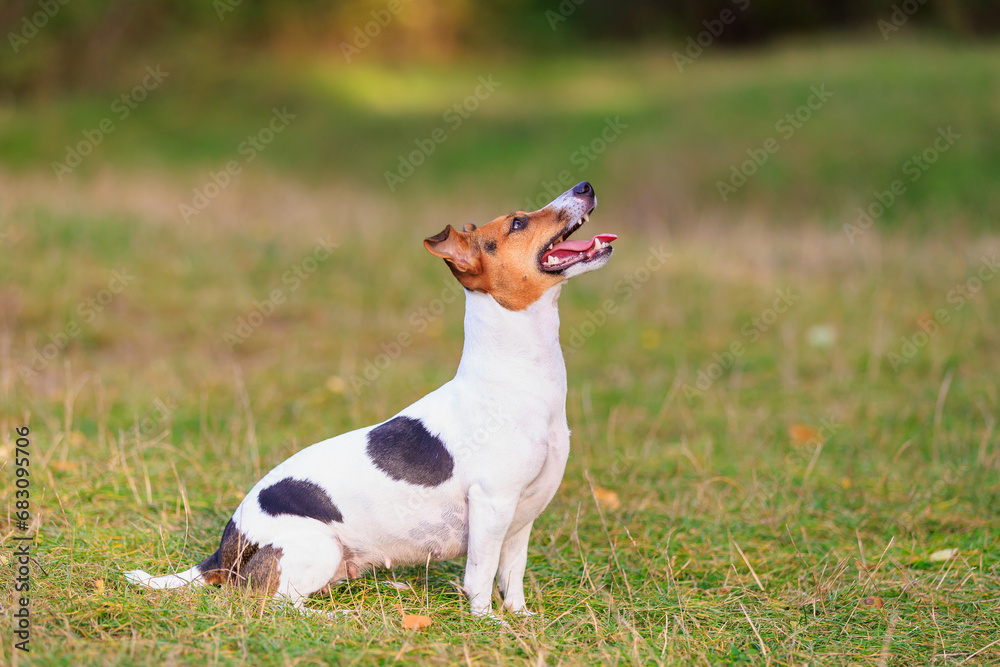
(585, 218)
(598, 245)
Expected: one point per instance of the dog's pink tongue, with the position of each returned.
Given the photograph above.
(576, 247)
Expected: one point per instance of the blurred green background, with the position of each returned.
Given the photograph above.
(173, 324)
(699, 87)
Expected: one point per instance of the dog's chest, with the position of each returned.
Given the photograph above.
(542, 487)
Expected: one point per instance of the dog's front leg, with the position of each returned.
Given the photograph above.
(490, 516)
(513, 560)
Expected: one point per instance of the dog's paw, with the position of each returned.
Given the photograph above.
(488, 615)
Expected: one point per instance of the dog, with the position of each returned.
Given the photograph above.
(463, 471)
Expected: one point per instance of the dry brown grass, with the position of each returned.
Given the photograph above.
(733, 542)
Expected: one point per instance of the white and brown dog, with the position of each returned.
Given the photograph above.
(464, 470)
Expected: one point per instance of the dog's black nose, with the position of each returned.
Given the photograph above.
(583, 188)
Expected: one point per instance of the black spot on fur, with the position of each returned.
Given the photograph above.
(490, 247)
(405, 450)
(300, 498)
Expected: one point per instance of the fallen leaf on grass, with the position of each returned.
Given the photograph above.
(606, 498)
(413, 621)
(336, 384)
(803, 434)
(942, 555)
(874, 601)
(74, 438)
(98, 585)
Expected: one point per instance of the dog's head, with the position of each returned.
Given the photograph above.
(519, 256)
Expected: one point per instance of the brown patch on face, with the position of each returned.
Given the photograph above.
(234, 551)
(240, 561)
(501, 260)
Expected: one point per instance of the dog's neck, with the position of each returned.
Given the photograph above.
(521, 347)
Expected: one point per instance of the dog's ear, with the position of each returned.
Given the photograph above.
(454, 247)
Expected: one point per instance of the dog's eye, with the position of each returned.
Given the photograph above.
(518, 223)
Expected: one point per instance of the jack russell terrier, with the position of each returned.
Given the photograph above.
(464, 470)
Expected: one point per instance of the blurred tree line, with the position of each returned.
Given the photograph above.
(57, 44)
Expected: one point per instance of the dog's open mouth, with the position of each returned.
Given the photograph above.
(562, 254)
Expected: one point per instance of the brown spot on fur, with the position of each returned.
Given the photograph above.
(234, 552)
(263, 571)
(517, 252)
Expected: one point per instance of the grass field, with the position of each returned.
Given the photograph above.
(791, 428)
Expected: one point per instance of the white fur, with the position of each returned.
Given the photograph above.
(502, 419)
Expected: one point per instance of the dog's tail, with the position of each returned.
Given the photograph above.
(224, 565)
(185, 578)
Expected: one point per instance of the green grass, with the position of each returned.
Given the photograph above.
(735, 541)
(685, 129)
